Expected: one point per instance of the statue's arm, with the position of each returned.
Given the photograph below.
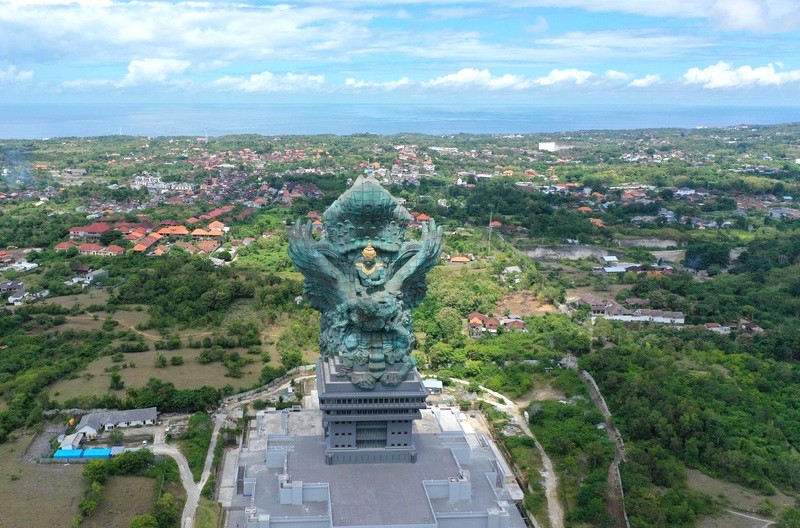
(308, 260)
(424, 257)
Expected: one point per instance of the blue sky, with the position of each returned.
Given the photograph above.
(394, 51)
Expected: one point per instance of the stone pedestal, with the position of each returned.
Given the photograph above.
(368, 426)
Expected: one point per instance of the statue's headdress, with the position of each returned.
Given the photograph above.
(366, 212)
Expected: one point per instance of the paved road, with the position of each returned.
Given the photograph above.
(555, 512)
(192, 489)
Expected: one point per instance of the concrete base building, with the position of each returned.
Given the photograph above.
(283, 477)
(368, 426)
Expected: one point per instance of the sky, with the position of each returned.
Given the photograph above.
(705, 52)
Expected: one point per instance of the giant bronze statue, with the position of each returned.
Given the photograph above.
(365, 277)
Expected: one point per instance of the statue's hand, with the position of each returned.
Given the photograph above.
(300, 238)
(431, 240)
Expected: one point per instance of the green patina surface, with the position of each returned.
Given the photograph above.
(365, 277)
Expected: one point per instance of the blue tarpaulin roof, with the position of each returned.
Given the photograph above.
(68, 453)
(97, 453)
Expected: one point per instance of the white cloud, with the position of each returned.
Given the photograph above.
(724, 75)
(212, 65)
(270, 82)
(86, 84)
(13, 75)
(473, 77)
(615, 75)
(752, 15)
(540, 26)
(386, 85)
(647, 80)
(483, 79)
(90, 31)
(570, 75)
(756, 15)
(445, 13)
(611, 43)
(152, 71)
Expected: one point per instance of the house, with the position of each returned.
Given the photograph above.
(94, 423)
(746, 325)
(11, 286)
(90, 248)
(491, 324)
(609, 309)
(515, 323)
(434, 386)
(112, 251)
(64, 246)
(187, 246)
(718, 328)
(96, 276)
(16, 297)
(72, 441)
(90, 232)
(475, 323)
(207, 246)
(460, 259)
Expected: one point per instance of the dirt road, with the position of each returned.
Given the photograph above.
(555, 512)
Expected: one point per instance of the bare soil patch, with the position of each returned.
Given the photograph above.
(728, 520)
(36, 494)
(738, 497)
(190, 375)
(123, 499)
(87, 297)
(543, 393)
(524, 303)
(613, 290)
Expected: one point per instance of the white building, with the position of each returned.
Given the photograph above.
(94, 423)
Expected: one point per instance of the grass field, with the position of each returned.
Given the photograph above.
(736, 497)
(36, 494)
(613, 290)
(95, 380)
(208, 513)
(123, 499)
(88, 297)
(190, 375)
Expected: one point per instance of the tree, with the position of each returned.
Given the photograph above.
(96, 471)
(116, 382)
(166, 511)
(116, 437)
(144, 521)
(161, 361)
(291, 358)
(789, 518)
(701, 255)
(109, 236)
(176, 360)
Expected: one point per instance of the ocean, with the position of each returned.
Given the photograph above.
(61, 120)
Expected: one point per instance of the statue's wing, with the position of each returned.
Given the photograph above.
(415, 260)
(323, 280)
